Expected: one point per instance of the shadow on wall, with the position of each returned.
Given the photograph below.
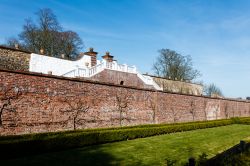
(93, 156)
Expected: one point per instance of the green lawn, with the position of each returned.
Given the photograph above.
(145, 151)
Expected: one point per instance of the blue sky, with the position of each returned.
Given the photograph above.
(216, 33)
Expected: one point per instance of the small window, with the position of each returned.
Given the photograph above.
(122, 82)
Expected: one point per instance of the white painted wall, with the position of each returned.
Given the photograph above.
(78, 68)
(44, 64)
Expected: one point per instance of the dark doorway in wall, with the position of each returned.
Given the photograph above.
(122, 82)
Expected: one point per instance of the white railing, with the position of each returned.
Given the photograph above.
(120, 67)
(95, 69)
(149, 81)
(82, 72)
(79, 72)
(131, 69)
(89, 72)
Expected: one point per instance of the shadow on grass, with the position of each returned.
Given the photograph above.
(238, 155)
(93, 156)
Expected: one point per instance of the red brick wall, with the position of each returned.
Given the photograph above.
(45, 105)
(116, 77)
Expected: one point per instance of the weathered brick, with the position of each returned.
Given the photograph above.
(13, 59)
(42, 108)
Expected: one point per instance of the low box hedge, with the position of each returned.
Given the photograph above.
(13, 146)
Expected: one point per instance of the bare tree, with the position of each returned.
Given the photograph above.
(212, 90)
(14, 43)
(239, 111)
(8, 95)
(226, 110)
(248, 110)
(153, 106)
(170, 64)
(122, 100)
(76, 106)
(216, 111)
(245, 111)
(192, 110)
(174, 115)
(233, 111)
(47, 34)
(205, 108)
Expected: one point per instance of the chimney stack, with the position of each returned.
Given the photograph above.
(108, 57)
(63, 56)
(93, 55)
(42, 51)
(16, 46)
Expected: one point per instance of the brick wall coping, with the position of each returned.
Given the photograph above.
(13, 49)
(28, 52)
(171, 79)
(111, 84)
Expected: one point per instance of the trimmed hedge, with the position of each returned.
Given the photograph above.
(244, 121)
(40, 135)
(12, 146)
(52, 134)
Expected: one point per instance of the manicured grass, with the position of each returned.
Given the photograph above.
(145, 151)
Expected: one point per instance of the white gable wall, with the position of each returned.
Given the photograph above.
(45, 64)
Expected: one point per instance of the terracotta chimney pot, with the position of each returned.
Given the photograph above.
(108, 57)
(93, 56)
